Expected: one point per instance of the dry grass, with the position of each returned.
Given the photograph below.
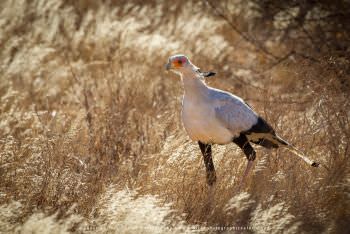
(91, 138)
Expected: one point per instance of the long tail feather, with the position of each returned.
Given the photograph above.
(278, 140)
(300, 154)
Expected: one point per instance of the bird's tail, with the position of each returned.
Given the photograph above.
(278, 140)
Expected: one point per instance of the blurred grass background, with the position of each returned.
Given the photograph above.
(91, 138)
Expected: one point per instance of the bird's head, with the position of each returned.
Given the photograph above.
(179, 64)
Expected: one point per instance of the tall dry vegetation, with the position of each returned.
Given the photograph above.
(91, 138)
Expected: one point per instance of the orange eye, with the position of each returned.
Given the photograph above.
(178, 63)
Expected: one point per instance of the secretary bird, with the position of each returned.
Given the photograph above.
(212, 116)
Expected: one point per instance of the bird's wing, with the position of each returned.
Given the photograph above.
(239, 118)
(234, 113)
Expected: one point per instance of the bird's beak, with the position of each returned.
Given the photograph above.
(168, 66)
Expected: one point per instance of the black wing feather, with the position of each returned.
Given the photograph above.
(262, 127)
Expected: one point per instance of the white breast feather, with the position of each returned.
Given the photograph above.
(201, 124)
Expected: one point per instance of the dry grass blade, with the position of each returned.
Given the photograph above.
(90, 132)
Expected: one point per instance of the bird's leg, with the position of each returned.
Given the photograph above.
(248, 150)
(249, 166)
(208, 161)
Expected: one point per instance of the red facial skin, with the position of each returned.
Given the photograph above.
(179, 62)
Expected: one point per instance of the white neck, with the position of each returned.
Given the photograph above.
(193, 85)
